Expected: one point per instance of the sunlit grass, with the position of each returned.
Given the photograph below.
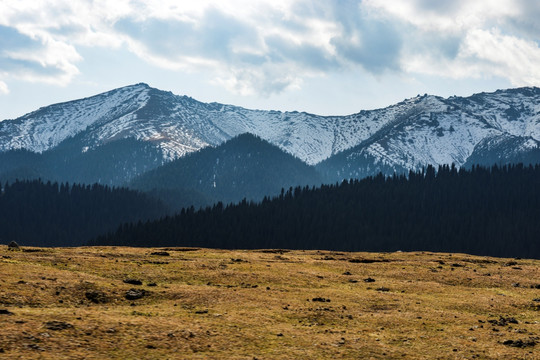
(216, 304)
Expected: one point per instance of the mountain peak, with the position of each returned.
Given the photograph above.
(247, 137)
(423, 130)
(137, 86)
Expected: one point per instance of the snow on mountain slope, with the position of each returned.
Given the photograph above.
(47, 127)
(408, 135)
(443, 131)
(503, 149)
(181, 125)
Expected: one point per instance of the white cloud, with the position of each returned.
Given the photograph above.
(467, 39)
(265, 81)
(4, 90)
(503, 55)
(267, 46)
(451, 16)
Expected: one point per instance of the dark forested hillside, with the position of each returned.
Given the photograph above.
(113, 164)
(480, 211)
(44, 214)
(505, 149)
(355, 163)
(243, 167)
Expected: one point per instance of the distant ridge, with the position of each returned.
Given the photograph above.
(406, 136)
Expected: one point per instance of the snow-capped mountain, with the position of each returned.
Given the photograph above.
(411, 134)
(498, 127)
(179, 125)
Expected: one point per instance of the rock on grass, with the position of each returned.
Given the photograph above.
(133, 281)
(96, 296)
(520, 343)
(57, 325)
(134, 294)
(160, 253)
(320, 299)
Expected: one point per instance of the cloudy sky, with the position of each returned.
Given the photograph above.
(319, 56)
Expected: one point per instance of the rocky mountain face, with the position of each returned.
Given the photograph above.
(498, 127)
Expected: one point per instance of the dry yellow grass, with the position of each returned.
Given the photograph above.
(216, 304)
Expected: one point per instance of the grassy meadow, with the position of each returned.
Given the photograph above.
(187, 303)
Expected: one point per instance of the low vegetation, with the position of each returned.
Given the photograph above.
(189, 303)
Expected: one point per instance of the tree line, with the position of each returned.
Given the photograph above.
(486, 211)
(35, 213)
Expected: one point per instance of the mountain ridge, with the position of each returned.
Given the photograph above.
(413, 133)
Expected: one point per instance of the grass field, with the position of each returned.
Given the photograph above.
(269, 304)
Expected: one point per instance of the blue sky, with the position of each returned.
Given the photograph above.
(320, 56)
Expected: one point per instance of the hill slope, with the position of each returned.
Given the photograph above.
(244, 167)
(114, 163)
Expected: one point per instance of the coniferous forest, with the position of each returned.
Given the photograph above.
(35, 213)
(487, 211)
